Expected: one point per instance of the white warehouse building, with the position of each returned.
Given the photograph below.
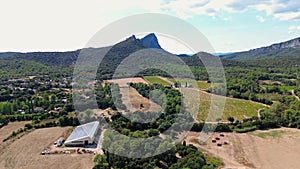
(83, 134)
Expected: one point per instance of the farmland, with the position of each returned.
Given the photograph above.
(237, 108)
(7, 130)
(202, 85)
(259, 149)
(132, 99)
(25, 152)
(156, 80)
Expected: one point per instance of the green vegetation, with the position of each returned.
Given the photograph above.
(278, 88)
(203, 85)
(272, 96)
(156, 80)
(237, 108)
(266, 134)
(245, 129)
(190, 158)
(37, 87)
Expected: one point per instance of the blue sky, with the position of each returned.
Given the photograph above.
(230, 25)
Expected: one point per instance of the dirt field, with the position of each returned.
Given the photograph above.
(24, 153)
(132, 99)
(8, 129)
(271, 149)
(123, 82)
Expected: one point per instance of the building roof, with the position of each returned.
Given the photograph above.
(83, 131)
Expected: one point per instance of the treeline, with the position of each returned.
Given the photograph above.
(190, 156)
(52, 121)
(107, 96)
(167, 98)
(60, 120)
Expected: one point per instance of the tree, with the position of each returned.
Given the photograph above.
(230, 119)
(184, 143)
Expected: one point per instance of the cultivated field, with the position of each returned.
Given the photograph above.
(132, 99)
(271, 149)
(237, 108)
(24, 153)
(8, 129)
(156, 80)
(125, 81)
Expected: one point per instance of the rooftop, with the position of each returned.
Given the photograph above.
(85, 130)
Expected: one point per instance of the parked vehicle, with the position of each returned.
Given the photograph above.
(60, 142)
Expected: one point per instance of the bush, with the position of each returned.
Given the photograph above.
(246, 129)
(28, 126)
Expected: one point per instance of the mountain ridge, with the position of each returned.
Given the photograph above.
(288, 48)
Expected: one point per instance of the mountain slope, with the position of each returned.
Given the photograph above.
(117, 53)
(150, 41)
(286, 49)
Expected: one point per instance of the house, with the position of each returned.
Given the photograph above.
(83, 134)
(22, 112)
(38, 109)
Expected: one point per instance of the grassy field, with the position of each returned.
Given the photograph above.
(156, 80)
(202, 85)
(237, 108)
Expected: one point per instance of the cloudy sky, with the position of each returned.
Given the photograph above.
(230, 25)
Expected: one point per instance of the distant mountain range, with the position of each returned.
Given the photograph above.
(118, 52)
(286, 52)
(288, 49)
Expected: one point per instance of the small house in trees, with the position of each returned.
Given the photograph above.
(83, 135)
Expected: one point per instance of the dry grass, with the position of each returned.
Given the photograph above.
(24, 153)
(250, 151)
(8, 129)
(125, 81)
(132, 99)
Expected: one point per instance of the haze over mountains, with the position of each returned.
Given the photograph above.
(287, 51)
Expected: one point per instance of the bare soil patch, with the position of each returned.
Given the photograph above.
(125, 81)
(271, 149)
(132, 99)
(8, 129)
(24, 153)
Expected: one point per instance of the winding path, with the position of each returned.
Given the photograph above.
(293, 93)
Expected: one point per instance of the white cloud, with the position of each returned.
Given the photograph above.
(260, 18)
(188, 8)
(293, 29)
(280, 9)
(238, 5)
(288, 16)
